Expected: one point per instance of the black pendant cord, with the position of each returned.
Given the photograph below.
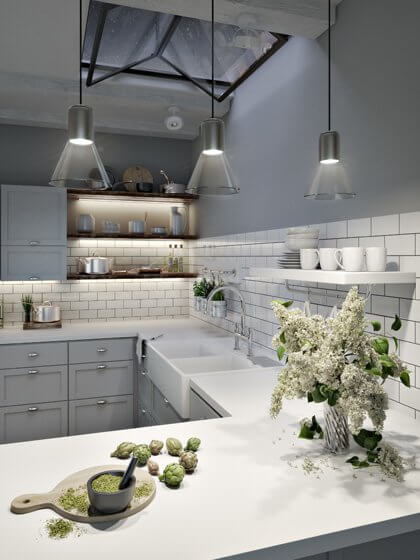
(329, 64)
(80, 52)
(212, 58)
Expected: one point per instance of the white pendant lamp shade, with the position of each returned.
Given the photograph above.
(80, 164)
(330, 183)
(212, 175)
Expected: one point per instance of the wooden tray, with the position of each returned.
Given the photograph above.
(33, 325)
(32, 502)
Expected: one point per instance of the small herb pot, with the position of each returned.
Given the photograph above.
(110, 502)
(199, 303)
(218, 309)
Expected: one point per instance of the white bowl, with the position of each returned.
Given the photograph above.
(295, 244)
(309, 235)
(303, 229)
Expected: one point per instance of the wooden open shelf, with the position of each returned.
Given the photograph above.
(75, 194)
(128, 236)
(122, 275)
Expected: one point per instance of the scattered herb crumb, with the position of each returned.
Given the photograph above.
(75, 499)
(143, 490)
(60, 528)
(309, 466)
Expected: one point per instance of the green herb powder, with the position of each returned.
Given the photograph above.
(75, 499)
(143, 490)
(59, 528)
(107, 483)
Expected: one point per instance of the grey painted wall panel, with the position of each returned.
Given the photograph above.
(278, 113)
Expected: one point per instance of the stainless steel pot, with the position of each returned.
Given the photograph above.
(95, 265)
(46, 313)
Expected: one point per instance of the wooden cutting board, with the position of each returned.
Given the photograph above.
(49, 500)
(137, 174)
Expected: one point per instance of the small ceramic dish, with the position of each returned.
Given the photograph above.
(110, 502)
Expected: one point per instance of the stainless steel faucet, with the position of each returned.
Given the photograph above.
(241, 331)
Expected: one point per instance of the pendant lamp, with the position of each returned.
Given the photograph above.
(80, 164)
(331, 182)
(212, 175)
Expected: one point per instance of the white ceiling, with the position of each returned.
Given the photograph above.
(39, 64)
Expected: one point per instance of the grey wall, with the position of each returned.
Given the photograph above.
(28, 155)
(278, 113)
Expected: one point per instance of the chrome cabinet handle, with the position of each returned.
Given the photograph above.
(143, 411)
(33, 243)
(101, 350)
(32, 371)
(101, 402)
(101, 366)
(32, 409)
(33, 355)
(165, 401)
(34, 278)
(144, 373)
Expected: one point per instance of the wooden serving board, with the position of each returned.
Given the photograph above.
(32, 502)
(33, 325)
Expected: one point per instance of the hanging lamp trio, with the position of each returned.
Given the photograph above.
(80, 163)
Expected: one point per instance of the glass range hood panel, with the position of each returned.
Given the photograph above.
(125, 39)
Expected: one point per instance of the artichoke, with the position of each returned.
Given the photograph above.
(174, 446)
(124, 450)
(172, 475)
(189, 460)
(193, 444)
(142, 454)
(155, 446)
(152, 467)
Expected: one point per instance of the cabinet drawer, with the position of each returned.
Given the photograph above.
(102, 378)
(145, 390)
(100, 415)
(29, 422)
(33, 385)
(200, 410)
(162, 409)
(36, 354)
(33, 263)
(113, 349)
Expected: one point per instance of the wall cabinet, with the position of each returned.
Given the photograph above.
(44, 393)
(33, 233)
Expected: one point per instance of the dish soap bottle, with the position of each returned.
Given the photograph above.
(170, 260)
(181, 259)
(175, 267)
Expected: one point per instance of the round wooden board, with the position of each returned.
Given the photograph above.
(136, 174)
(32, 502)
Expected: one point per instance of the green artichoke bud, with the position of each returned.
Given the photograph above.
(174, 446)
(193, 444)
(152, 467)
(141, 453)
(155, 446)
(189, 460)
(172, 475)
(124, 450)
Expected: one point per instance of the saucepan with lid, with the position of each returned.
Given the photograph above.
(95, 265)
(46, 313)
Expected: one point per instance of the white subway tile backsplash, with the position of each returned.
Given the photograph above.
(410, 222)
(400, 244)
(359, 228)
(336, 229)
(386, 225)
(385, 306)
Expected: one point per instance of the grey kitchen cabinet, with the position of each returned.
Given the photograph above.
(145, 419)
(28, 422)
(33, 263)
(100, 414)
(33, 385)
(145, 390)
(32, 354)
(104, 378)
(162, 409)
(200, 409)
(116, 349)
(34, 216)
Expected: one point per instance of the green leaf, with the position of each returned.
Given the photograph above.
(309, 432)
(405, 378)
(386, 361)
(375, 371)
(380, 345)
(376, 325)
(372, 456)
(396, 325)
(306, 432)
(284, 303)
(395, 342)
(282, 337)
(367, 439)
(357, 463)
(281, 350)
(333, 398)
(317, 395)
(310, 397)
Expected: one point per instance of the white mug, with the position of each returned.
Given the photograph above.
(352, 258)
(327, 258)
(309, 259)
(376, 259)
(136, 226)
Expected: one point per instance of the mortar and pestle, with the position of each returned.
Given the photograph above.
(113, 502)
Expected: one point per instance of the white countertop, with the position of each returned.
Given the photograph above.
(191, 328)
(249, 492)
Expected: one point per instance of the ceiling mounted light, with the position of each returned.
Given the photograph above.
(212, 175)
(80, 159)
(334, 184)
(174, 121)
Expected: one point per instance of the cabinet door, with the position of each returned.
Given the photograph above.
(33, 215)
(100, 415)
(33, 385)
(33, 263)
(29, 422)
(145, 390)
(200, 410)
(145, 418)
(104, 378)
(162, 409)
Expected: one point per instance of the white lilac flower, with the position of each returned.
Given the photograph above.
(390, 462)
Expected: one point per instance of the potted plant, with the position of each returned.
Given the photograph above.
(218, 305)
(27, 304)
(200, 294)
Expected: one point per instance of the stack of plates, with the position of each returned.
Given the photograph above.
(289, 260)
